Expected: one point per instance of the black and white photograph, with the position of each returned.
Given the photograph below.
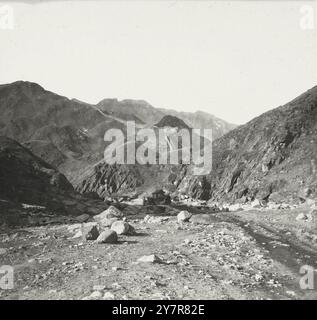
(158, 151)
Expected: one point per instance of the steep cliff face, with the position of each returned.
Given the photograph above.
(273, 157)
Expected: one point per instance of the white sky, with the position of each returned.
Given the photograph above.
(232, 59)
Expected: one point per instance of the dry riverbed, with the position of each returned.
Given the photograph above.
(237, 255)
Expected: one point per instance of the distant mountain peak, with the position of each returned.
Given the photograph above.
(173, 122)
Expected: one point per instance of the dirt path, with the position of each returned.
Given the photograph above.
(217, 256)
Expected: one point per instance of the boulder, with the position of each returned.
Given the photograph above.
(184, 216)
(107, 236)
(150, 259)
(108, 296)
(108, 222)
(111, 212)
(74, 227)
(120, 227)
(90, 231)
(256, 203)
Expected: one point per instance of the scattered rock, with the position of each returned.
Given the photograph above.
(108, 296)
(108, 222)
(151, 219)
(235, 207)
(96, 295)
(99, 287)
(111, 212)
(150, 259)
(256, 204)
(3, 251)
(304, 217)
(78, 234)
(90, 231)
(291, 293)
(74, 227)
(184, 216)
(107, 236)
(120, 227)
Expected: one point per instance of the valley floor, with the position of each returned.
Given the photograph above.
(236, 255)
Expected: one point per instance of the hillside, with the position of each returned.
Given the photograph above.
(25, 178)
(273, 157)
(67, 133)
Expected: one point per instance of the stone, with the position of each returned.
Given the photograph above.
(83, 218)
(99, 287)
(111, 212)
(96, 295)
(150, 259)
(304, 217)
(235, 207)
(107, 236)
(74, 227)
(120, 227)
(78, 234)
(151, 219)
(184, 216)
(256, 203)
(3, 251)
(107, 222)
(89, 231)
(108, 296)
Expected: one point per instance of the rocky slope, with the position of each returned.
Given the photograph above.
(68, 134)
(25, 178)
(143, 112)
(273, 157)
(203, 120)
(173, 122)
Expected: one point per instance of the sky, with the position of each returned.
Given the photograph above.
(233, 59)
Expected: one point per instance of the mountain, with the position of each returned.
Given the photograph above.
(67, 133)
(25, 178)
(144, 113)
(272, 157)
(203, 120)
(171, 121)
